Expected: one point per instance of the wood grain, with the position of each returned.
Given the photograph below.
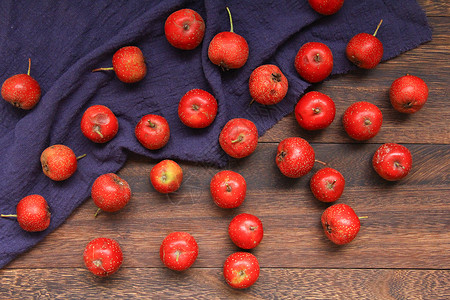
(401, 252)
(200, 283)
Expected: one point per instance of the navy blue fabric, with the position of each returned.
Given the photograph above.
(67, 39)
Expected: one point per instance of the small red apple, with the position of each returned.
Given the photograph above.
(326, 7)
(184, 29)
(99, 124)
(152, 131)
(239, 137)
(315, 111)
(295, 157)
(22, 90)
(365, 50)
(166, 176)
(110, 192)
(268, 85)
(178, 251)
(241, 270)
(32, 213)
(228, 49)
(340, 223)
(314, 62)
(197, 108)
(103, 256)
(327, 184)
(59, 162)
(228, 189)
(246, 231)
(362, 120)
(408, 94)
(392, 161)
(128, 64)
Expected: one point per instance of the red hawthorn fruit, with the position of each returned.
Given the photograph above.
(22, 90)
(103, 256)
(184, 29)
(228, 49)
(128, 64)
(99, 124)
(268, 85)
(32, 213)
(340, 223)
(58, 162)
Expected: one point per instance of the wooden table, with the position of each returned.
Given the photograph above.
(401, 252)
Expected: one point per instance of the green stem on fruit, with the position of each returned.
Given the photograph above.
(8, 216)
(240, 138)
(103, 69)
(363, 217)
(29, 66)
(378, 27)
(97, 131)
(231, 20)
(81, 156)
(97, 212)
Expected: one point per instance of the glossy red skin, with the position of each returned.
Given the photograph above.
(408, 94)
(129, 64)
(362, 120)
(166, 176)
(365, 50)
(184, 29)
(315, 111)
(246, 231)
(110, 192)
(314, 62)
(58, 162)
(340, 223)
(326, 7)
(327, 184)
(241, 270)
(268, 85)
(228, 189)
(392, 161)
(99, 124)
(178, 251)
(152, 131)
(22, 91)
(295, 157)
(239, 137)
(197, 108)
(33, 213)
(103, 256)
(228, 50)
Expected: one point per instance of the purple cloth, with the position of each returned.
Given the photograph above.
(67, 39)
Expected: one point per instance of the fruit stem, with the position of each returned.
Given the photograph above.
(81, 156)
(29, 66)
(8, 216)
(240, 138)
(97, 212)
(320, 162)
(103, 69)
(378, 27)
(97, 131)
(231, 20)
(363, 217)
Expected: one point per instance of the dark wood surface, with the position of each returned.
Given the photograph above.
(401, 252)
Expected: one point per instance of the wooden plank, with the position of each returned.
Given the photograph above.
(208, 283)
(435, 7)
(399, 215)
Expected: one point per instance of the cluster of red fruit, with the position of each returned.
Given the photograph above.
(184, 29)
